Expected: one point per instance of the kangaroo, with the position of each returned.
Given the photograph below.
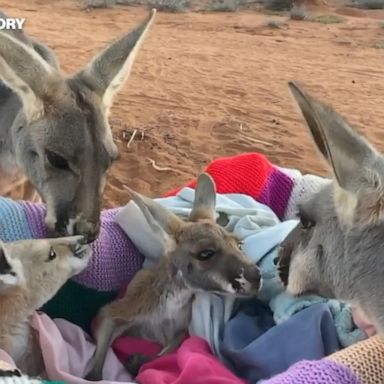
(31, 273)
(54, 129)
(200, 256)
(337, 248)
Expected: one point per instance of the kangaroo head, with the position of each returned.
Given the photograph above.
(61, 138)
(199, 251)
(40, 267)
(337, 248)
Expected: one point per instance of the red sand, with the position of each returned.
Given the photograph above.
(215, 84)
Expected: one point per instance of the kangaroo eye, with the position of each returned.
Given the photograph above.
(240, 245)
(206, 254)
(56, 160)
(51, 255)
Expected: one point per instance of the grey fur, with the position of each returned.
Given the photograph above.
(41, 111)
(337, 249)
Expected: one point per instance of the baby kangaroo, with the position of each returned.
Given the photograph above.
(31, 272)
(337, 249)
(200, 256)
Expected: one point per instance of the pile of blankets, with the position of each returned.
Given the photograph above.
(229, 341)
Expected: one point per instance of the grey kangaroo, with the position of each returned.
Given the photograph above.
(55, 129)
(337, 249)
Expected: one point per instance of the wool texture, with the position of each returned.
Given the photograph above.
(315, 372)
(365, 359)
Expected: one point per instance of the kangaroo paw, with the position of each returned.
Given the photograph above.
(134, 363)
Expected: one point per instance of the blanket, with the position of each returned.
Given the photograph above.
(115, 258)
(253, 179)
(67, 350)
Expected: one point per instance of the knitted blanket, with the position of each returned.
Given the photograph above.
(115, 259)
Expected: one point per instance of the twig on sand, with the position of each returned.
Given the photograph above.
(162, 169)
(257, 141)
(132, 138)
(127, 188)
(114, 187)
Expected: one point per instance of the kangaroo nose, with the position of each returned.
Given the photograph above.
(253, 274)
(89, 230)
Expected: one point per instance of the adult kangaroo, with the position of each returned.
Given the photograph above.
(55, 128)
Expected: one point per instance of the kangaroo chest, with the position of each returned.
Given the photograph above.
(169, 319)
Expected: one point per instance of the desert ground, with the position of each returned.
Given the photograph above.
(207, 85)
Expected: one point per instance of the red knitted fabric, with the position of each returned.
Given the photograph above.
(246, 174)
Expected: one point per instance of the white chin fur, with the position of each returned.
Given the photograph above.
(50, 219)
(71, 225)
(8, 281)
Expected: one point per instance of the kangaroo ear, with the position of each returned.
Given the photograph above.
(351, 157)
(204, 204)
(11, 273)
(109, 70)
(22, 69)
(158, 217)
(165, 225)
(357, 167)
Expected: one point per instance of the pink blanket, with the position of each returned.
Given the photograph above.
(192, 363)
(67, 350)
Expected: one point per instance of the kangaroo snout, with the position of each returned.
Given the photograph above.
(248, 281)
(89, 230)
(253, 274)
(79, 250)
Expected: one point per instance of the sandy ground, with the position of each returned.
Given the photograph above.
(210, 85)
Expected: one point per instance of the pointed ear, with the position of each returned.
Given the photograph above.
(355, 163)
(27, 74)
(46, 53)
(108, 71)
(9, 276)
(158, 217)
(204, 204)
